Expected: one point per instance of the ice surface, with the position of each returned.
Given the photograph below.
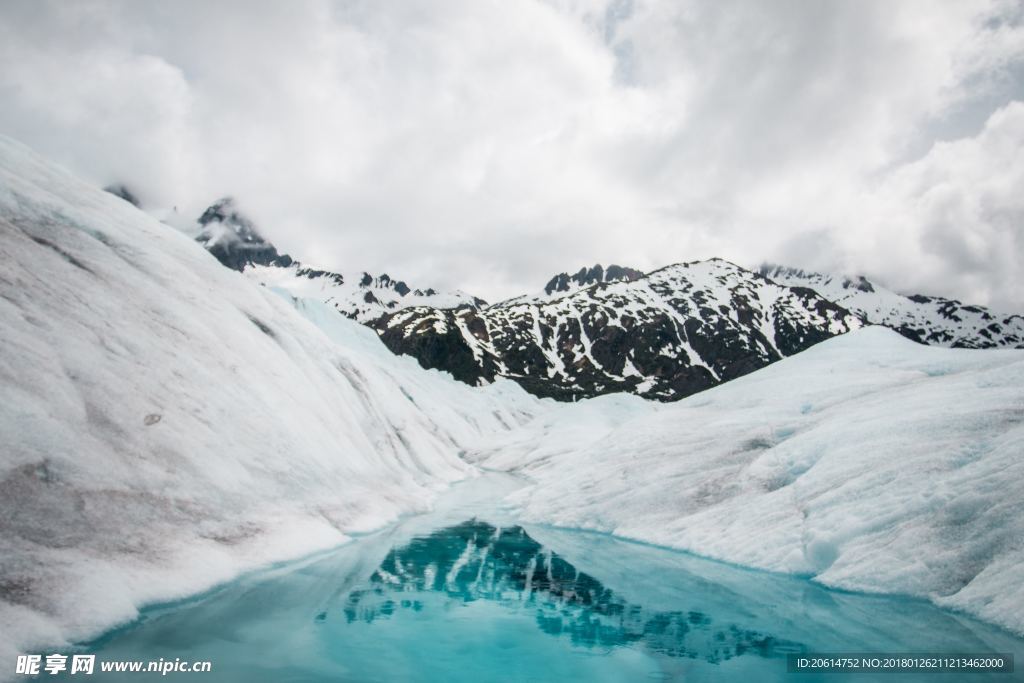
(167, 423)
(868, 462)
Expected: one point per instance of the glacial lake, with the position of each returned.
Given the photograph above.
(468, 593)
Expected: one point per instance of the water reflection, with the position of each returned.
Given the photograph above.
(434, 598)
(476, 561)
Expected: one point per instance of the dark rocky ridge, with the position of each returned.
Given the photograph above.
(666, 335)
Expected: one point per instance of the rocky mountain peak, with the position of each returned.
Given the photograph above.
(233, 238)
(585, 277)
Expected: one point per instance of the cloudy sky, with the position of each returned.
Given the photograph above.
(485, 145)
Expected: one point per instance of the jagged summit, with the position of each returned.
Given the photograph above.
(926, 319)
(585, 277)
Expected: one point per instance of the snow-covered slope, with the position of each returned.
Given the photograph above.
(668, 334)
(931, 320)
(166, 423)
(868, 462)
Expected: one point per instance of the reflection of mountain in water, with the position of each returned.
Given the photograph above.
(476, 561)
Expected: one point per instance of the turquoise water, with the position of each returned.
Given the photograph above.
(470, 594)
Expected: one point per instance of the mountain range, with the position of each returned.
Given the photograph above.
(932, 320)
(662, 335)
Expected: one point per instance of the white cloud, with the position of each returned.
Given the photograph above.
(956, 216)
(487, 145)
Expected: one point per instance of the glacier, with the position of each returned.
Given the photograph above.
(168, 424)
